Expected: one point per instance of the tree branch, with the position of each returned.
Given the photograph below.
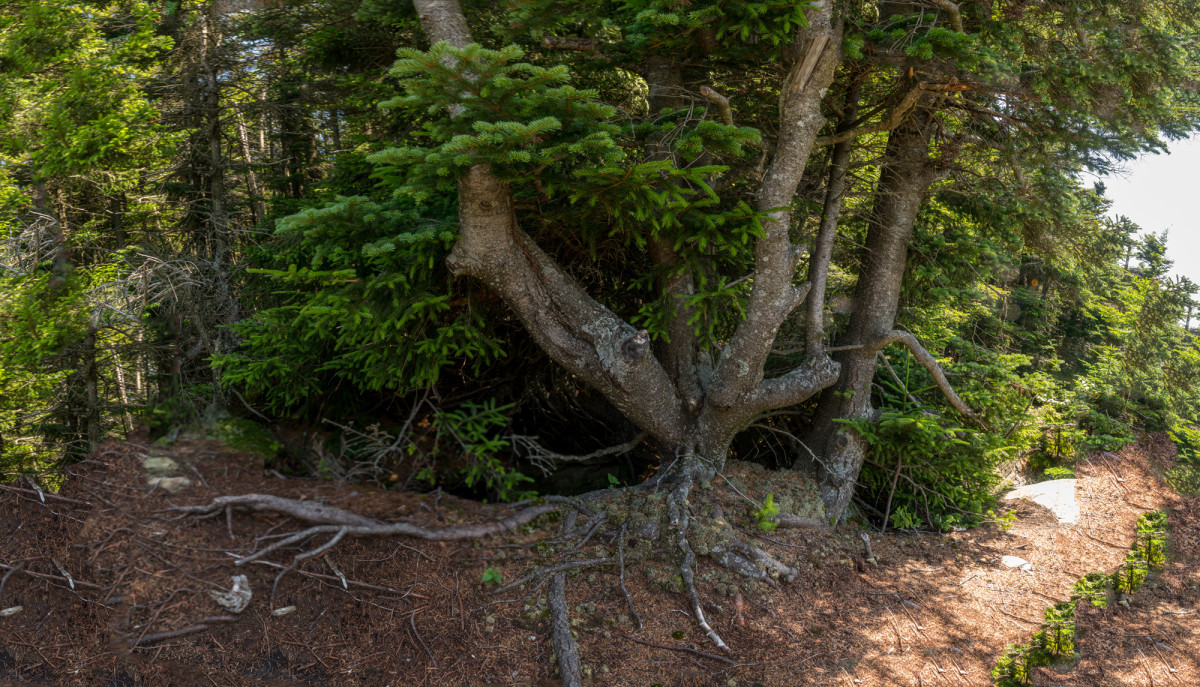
(951, 9)
(576, 332)
(929, 363)
(891, 121)
(721, 102)
(573, 43)
(772, 298)
(835, 191)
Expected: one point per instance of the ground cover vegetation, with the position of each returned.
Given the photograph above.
(591, 248)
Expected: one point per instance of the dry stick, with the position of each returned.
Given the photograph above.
(560, 634)
(621, 556)
(413, 624)
(695, 652)
(191, 629)
(44, 495)
(44, 576)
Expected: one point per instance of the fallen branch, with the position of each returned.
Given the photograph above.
(43, 495)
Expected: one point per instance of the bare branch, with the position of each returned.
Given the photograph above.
(773, 297)
(951, 9)
(574, 43)
(545, 459)
(929, 363)
(721, 102)
(891, 121)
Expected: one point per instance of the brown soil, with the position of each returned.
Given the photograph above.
(934, 610)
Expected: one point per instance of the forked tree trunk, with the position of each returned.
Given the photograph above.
(610, 355)
(904, 179)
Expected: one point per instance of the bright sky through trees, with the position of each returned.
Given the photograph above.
(1159, 192)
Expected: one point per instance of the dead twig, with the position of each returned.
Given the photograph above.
(203, 625)
(687, 649)
(561, 567)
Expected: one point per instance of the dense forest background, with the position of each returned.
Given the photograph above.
(234, 218)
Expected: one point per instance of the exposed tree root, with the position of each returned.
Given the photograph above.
(731, 552)
(343, 523)
(624, 590)
(569, 667)
(797, 522)
(678, 514)
(329, 520)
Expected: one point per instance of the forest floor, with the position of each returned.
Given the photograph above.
(933, 609)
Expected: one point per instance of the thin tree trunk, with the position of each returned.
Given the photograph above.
(122, 391)
(91, 382)
(906, 175)
(259, 204)
(835, 192)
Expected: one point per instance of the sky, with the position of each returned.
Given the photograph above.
(1163, 192)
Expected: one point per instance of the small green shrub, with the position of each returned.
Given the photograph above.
(766, 515)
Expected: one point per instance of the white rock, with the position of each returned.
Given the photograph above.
(1015, 562)
(1056, 495)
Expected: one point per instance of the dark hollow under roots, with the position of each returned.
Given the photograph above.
(606, 516)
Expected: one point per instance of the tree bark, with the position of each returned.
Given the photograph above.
(904, 179)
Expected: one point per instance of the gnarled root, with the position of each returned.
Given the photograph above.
(678, 514)
(341, 523)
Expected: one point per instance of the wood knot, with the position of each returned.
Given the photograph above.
(636, 346)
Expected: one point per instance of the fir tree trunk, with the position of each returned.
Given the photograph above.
(906, 175)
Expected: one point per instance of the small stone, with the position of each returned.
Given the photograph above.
(160, 465)
(171, 485)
